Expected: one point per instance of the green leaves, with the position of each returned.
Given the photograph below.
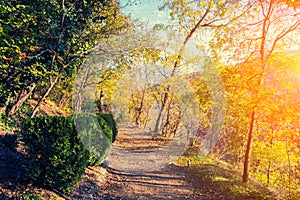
(57, 154)
(39, 43)
(56, 148)
(111, 123)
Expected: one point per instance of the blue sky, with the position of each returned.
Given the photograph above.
(146, 11)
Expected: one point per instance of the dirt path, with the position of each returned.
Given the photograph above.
(139, 168)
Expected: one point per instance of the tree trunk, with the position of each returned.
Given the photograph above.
(166, 126)
(269, 164)
(101, 103)
(22, 97)
(146, 119)
(248, 149)
(157, 123)
(289, 164)
(52, 84)
(176, 65)
(140, 108)
(162, 109)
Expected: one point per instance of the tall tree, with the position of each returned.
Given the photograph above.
(262, 36)
(41, 44)
(207, 23)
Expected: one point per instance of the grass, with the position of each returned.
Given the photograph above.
(217, 180)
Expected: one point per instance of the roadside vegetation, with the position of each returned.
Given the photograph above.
(218, 179)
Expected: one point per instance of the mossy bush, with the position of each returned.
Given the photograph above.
(96, 135)
(98, 131)
(110, 121)
(55, 150)
(61, 147)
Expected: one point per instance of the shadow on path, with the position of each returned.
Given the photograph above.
(168, 182)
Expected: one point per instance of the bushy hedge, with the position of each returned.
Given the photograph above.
(57, 154)
(96, 135)
(109, 119)
(57, 146)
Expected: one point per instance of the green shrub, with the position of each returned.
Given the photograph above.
(57, 154)
(93, 136)
(57, 146)
(96, 136)
(109, 119)
(29, 196)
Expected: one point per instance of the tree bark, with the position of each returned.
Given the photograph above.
(166, 126)
(248, 148)
(176, 65)
(140, 108)
(22, 97)
(162, 109)
(101, 103)
(269, 164)
(157, 123)
(52, 84)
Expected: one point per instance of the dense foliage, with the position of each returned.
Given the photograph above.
(96, 134)
(43, 42)
(60, 151)
(58, 156)
(110, 121)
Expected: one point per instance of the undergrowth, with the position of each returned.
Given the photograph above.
(212, 178)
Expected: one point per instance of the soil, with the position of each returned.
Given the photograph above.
(138, 169)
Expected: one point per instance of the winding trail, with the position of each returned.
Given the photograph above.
(139, 167)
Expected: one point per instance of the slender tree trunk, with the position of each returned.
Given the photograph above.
(289, 164)
(146, 119)
(135, 107)
(177, 122)
(248, 148)
(162, 109)
(101, 103)
(82, 80)
(269, 164)
(176, 65)
(22, 97)
(157, 123)
(52, 84)
(166, 126)
(140, 108)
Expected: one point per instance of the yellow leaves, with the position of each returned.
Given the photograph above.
(229, 11)
(295, 63)
(203, 3)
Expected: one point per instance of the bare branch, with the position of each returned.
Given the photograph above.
(283, 34)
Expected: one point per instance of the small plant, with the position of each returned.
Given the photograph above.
(29, 196)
